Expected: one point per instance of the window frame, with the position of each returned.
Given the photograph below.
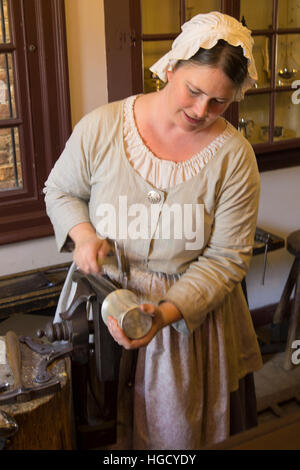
(39, 48)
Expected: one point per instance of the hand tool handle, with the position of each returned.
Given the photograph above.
(13, 353)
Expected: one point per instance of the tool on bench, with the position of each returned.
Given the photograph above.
(20, 393)
(70, 337)
(49, 354)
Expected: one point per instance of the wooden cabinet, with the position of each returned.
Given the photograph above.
(270, 112)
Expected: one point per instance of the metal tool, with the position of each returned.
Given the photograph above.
(73, 330)
(20, 393)
(265, 259)
(121, 261)
(8, 427)
(243, 126)
(4, 387)
(49, 353)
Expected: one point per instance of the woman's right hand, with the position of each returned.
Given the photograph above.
(88, 248)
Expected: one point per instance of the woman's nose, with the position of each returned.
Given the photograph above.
(201, 107)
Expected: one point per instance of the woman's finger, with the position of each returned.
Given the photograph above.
(120, 337)
(104, 249)
(117, 333)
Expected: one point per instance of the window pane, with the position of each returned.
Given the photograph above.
(257, 13)
(287, 115)
(4, 27)
(194, 7)
(7, 95)
(160, 16)
(152, 51)
(254, 118)
(288, 13)
(10, 162)
(262, 56)
(288, 59)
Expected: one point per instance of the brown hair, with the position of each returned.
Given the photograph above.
(229, 58)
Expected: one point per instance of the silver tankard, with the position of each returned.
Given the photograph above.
(123, 305)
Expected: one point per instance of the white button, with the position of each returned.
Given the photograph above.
(154, 197)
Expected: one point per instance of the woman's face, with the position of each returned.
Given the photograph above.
(198, 95)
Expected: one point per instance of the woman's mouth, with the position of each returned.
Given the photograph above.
(193, 120)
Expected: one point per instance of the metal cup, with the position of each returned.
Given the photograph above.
(123, 305)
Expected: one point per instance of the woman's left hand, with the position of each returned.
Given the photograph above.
(161, 316)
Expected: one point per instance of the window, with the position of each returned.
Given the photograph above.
(34, 111)
(11, 172)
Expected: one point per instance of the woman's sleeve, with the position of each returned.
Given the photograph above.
(226, 258)
(67, 189)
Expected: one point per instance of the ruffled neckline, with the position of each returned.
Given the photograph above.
(164, 173)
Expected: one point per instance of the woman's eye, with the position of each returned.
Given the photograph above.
(217, 101)
(193, 92)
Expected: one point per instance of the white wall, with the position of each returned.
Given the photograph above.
(280, 194)
(279, 212)
(87, 55)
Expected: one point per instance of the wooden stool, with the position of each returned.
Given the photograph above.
(293, 246)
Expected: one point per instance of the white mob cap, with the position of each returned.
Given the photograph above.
(205, 30)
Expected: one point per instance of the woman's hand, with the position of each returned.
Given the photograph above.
(163, 315)
(88, 248)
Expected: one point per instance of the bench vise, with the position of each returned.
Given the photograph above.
(95, 359)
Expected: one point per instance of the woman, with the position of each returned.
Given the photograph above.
(154, 151)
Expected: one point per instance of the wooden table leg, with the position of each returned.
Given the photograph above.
(293, 326)
(285, 297)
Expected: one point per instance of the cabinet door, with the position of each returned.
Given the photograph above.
(161, 23)
(144, 30)
(269, 115)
